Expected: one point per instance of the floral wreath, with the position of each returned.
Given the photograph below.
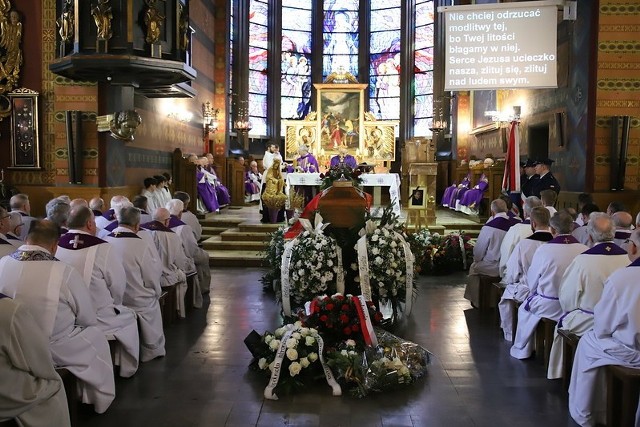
(340, 172)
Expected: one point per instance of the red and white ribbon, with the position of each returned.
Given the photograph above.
(366, 326)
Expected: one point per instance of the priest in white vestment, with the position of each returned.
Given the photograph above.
(515, 277)
(486, 252)
(60, 303)
(15, 224)
(582, 284)
(171, 254)
(517, 232)
(20, 203)
(543, 279)
(6, 247)
(624, 225)
(109, 216)
(198, 255)
(187, 216)
(581, 233)
(101, 268)
(143, 290)
(614, 340)
(31, 392)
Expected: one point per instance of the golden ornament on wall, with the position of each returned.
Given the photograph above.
(102, 16)
(66, 22)
(10, 52)
(153, 20)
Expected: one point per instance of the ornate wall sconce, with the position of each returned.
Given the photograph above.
(242, 124)
(439, 122)
(210, 122)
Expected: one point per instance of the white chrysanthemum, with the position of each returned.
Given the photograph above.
(274, 344)
(304, 331)
(329, 263)
(344, 353)
(393, 244)
(312, 357)
(280, 332)
(374, 238)
(378, 260)
(375, 251)
(309, 340)
(292, 342)
(350, 343)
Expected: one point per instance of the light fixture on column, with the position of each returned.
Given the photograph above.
(242, 124)
(439, 122)
(210, 122)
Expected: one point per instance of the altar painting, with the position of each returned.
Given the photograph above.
(341, 116)
(379, 141)
(297, 133)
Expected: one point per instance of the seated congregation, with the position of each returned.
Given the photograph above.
(90, 291)
(557, 274)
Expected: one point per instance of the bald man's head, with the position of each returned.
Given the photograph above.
(161, 214)
(622, 220)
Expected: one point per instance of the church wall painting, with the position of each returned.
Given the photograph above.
(341, 115)
(299, 133)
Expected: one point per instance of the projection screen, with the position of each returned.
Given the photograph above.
(500, 46)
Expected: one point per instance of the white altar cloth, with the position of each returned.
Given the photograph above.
(391, 180)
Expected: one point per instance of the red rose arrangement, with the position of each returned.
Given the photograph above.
(336, 318)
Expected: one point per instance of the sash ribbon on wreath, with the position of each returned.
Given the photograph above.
(363, 263)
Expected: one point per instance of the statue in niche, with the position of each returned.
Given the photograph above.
(65, 22)
(10, 52)
(153, 20)
(184, 28)
(124, 124)
(102, 16)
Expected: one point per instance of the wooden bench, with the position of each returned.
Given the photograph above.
(570, 344)
(544, 339)
(487, 291)
(623, 390)
(189, 295)
(168, 305)
(70, 383)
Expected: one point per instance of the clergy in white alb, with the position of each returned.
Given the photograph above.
(20, 203)
(15, 224)
(101, 268)
(614, 340)
(517, 232)
(581, 234)
(31, 392)
(187, 216)
(199, 256)
(143, 290)
(515, 277)
(60, 303)
(5, 226)
(543, 278)
(486, 252)
(582, 283)
(109, 216)
(173, 260)
(624, 225)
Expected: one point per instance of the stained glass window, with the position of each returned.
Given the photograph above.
(340, 37)
(295, 86)
(423, 57)
(384, 66)
(258, 43)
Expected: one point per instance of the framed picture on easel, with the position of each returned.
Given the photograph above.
(418, 198)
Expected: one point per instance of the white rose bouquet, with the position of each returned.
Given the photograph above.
(292, 350)
(314, 267)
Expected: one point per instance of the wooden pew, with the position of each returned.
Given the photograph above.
(623, 390)
(569, 344)
(544, 339)
(168, 305)
(487, 292)
(71, 389)
(184, 177)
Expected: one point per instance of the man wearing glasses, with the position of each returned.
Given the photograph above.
(612, 341)
(6, 247)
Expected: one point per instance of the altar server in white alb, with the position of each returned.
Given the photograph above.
(486, 253)
(517, 232)
(614, 340)
(174, 261)
(199, 256)
(582, 283)
(101, 268)
(31, 392)
(547, 268)
(109, 216)
(516, 276)
(61, 305)
(143, 290)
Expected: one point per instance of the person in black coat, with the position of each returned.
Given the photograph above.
(528, 179)
(546, 181)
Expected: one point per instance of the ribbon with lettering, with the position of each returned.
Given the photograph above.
(408, 259)
(363, 259)
(284, 276)
(366, 326)
(335, 387)
(277, 365)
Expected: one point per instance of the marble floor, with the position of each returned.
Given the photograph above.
(204, 380)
